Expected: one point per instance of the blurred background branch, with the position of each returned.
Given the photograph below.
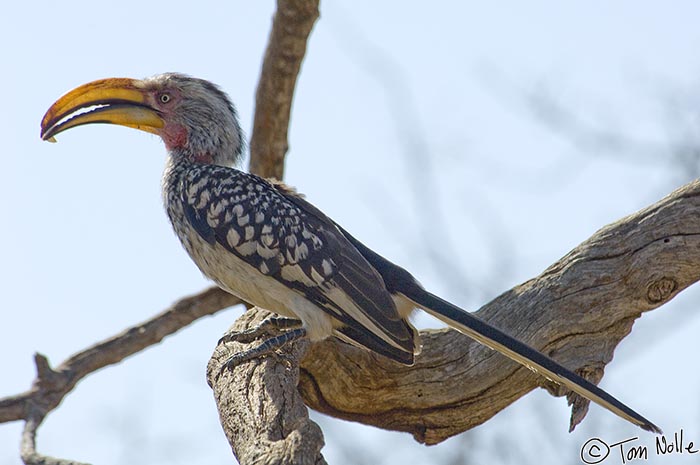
(52, 385)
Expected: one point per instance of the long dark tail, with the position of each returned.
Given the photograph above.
(400, 281)
(496, 339)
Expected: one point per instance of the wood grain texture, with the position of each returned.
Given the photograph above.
(261, 412)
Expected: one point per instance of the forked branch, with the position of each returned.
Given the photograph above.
(53, 384)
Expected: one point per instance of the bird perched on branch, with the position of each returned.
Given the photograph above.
(267, 245)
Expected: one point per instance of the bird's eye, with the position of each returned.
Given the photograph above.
(165, 98)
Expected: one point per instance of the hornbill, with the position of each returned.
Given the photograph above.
(266, 244)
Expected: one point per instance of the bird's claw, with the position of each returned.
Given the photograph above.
(265, 347)
(251, 334)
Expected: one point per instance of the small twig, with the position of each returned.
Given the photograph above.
(28, 451)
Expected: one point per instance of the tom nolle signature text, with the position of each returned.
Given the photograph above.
(596, 450)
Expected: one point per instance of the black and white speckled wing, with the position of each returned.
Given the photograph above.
(266, 226)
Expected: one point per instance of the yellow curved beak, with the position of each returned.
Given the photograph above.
(119, 101)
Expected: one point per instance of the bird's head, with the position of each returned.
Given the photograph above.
(194, 117)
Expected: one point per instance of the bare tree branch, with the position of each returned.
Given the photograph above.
(678, 151)
(577, 311)
(35, 416)
(260, 409)
(52, 385)
(411, 136)
(273, 101)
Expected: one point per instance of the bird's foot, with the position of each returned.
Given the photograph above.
(249, 335)
(265, 347)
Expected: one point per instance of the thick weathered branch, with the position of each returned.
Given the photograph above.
(577, 311)
(52, 385)
(260, 409)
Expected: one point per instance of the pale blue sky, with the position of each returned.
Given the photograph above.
(87, 250)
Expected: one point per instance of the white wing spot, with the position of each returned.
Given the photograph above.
(289, 257)
(249, 231)
(316, 276)
(194, 188)
(295, 273)
(291, 241)
(247, 248)
(232, 237)
(301, 252)
(327, 267)
(243, 220)
(265, 252)
(216, 208)
(203, 199)
(267, 239)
